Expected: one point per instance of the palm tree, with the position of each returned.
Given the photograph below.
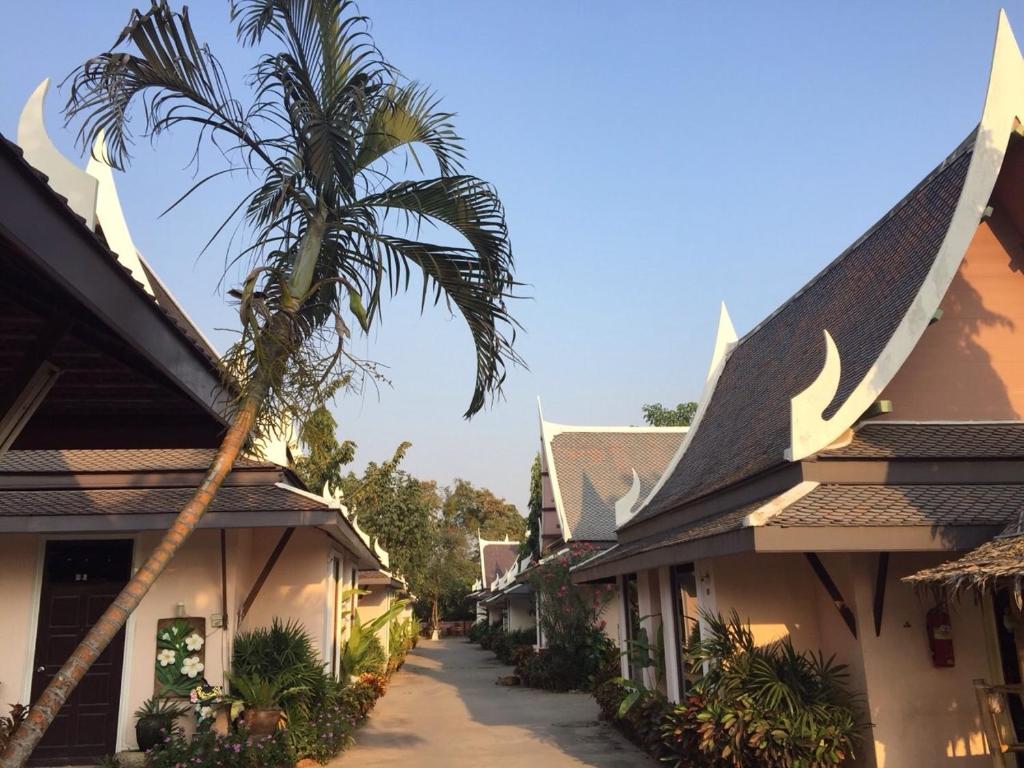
(330, 232)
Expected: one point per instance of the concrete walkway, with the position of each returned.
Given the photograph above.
(443, 709)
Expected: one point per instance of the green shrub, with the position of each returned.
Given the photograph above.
(582, 668)
(9, 723)
(769, 705)
(490, 635)
(283, 652)
(505, 644)
(373, 660)
(477, 631)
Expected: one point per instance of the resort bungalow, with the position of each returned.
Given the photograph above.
(379, 591)
(111, 407)
(592, 479)
(496, 558)
(511, 599)
(868, 429)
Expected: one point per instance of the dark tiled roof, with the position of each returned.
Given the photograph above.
(155, 501)
(594, 470)
(166, 301)
(498, 558)
(698, 529)
(979, 440)
(834, 505)
(162, 300)
(860, 298)
(117, 461)
(903, 505)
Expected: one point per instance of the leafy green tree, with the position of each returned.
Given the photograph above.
(329, 231)
(476, 510)
(324, 456)
(530, 546)
(398, 510)
(657, 415)
(450, 570)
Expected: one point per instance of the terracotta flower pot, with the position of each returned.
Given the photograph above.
(262, 722)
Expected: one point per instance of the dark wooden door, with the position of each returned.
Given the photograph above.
(80, 579)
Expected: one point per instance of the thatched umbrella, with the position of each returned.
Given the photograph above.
(995, 564)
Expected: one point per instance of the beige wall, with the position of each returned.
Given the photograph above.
(776, 594)
(610, 617)
(970, 364)
(19, 574)
(377, 600)
(296, 588)
(922, 716)
(192, 578)
(519, 617)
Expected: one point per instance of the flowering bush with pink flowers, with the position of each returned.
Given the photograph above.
(570, 616)
(569, 611)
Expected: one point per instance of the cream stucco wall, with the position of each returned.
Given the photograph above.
(921, 715)
(192, 578)
(519, 617)
(610, 616)
(375, 601)
(774, 593)
(297, 588)
(19, 574)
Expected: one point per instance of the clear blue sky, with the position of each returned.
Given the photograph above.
(655, 158)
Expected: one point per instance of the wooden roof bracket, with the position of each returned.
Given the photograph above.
(833, 591)
(32, 380)
(261, 579)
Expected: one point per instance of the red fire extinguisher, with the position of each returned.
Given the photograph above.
(940, 636)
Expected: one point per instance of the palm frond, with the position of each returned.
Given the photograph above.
(177, 77)
(457, 277)
(467, 204)
(408, 115)
(325, 80)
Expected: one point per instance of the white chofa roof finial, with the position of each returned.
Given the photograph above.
(65, 177)
(624, 506)
(1004, 106)
(109, 214)
(725, 337)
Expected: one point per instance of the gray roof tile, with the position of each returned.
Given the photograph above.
(978, 440)
(903, 505)
(117, 460)
(860, 298)
(594, 470)
(498, 557)
(154, 501)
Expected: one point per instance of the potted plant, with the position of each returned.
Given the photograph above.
(155, 719)
(261, 698)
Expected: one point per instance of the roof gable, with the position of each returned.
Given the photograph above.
(745, 428)
(593, 468)
(496, 557)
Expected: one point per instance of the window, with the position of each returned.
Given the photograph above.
(631, 594)
(687, 618)
(335, 591)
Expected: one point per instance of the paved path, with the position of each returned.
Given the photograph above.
(443, 709)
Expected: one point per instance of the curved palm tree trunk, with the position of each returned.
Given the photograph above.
(114, 618)
(45, 709)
